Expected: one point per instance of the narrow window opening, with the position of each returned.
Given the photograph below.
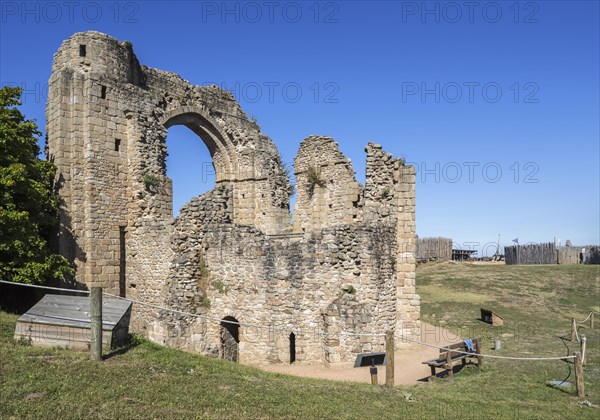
(82, 50)
(122, 262)
(117, 145)
(103, 92)
(292, 348)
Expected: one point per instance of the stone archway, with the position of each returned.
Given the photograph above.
(218, 143)
(230, 339)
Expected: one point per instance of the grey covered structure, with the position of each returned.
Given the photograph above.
(64, 321)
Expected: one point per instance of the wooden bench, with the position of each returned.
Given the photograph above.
(447, 358)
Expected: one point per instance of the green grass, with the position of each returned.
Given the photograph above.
(149, 381)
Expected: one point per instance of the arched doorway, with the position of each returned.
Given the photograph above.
(230, 339)
(292, 348)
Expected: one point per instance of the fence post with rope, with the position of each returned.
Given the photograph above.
(96, 323)
(478, 351)
(583, 344)
(389, 359)
(579, 375)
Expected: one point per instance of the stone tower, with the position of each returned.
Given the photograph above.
(345, 265)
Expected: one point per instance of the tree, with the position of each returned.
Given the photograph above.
(28, 206)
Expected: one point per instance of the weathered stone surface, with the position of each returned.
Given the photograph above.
(344, 266)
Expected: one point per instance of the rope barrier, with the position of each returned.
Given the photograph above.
(163, 308)
(403, 337)
(577, 336)
(234, 322)
(86, 292)
(485, 355)
(588, 317)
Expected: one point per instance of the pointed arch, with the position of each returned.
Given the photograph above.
(219, 144)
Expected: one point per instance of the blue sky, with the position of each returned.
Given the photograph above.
(496, 103)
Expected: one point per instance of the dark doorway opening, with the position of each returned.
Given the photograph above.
(292, 348)
(230, 339)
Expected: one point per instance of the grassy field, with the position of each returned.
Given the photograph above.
(148, 381)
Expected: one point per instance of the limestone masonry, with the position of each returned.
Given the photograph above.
(272, 288)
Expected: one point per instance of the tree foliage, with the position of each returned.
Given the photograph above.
(28, 206)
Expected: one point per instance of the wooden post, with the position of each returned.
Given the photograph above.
(591, 321)
(583, 346)
(478, 351)
(373, 371)
(389, 359)
(96, 318)
(449, 365)
(573, 329)
(579, 376)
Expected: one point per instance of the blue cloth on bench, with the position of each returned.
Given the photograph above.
(469, 345)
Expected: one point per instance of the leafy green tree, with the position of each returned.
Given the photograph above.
(28, 206)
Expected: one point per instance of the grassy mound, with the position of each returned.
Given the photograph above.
(149, 381)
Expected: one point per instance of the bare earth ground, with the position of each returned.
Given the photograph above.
(408, 366)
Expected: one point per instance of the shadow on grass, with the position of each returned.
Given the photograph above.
(565, 388)
(131, 343)
(455, 369)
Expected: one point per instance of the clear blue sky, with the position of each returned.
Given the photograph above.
(496, 103)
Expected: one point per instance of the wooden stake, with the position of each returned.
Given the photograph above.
(478, 351)
(449, 365)
(583, 346)
(592, 321)
(573, 329)
(579, 376)
(96, 318)
(389, 359)
(373, 374)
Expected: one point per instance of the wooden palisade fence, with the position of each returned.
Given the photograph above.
(549, 253)
(434, 248)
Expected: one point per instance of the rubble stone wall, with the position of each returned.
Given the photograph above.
(341, 266)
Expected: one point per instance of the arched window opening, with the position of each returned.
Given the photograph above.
(189, 165)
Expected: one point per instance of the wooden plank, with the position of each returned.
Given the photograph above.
(82, 302)
(74, 311)
(58, 336)
(81, 315)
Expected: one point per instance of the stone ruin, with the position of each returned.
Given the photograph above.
(270, 287)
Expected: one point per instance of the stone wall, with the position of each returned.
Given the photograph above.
(345, 266)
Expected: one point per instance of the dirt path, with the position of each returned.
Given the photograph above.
(408, 367)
